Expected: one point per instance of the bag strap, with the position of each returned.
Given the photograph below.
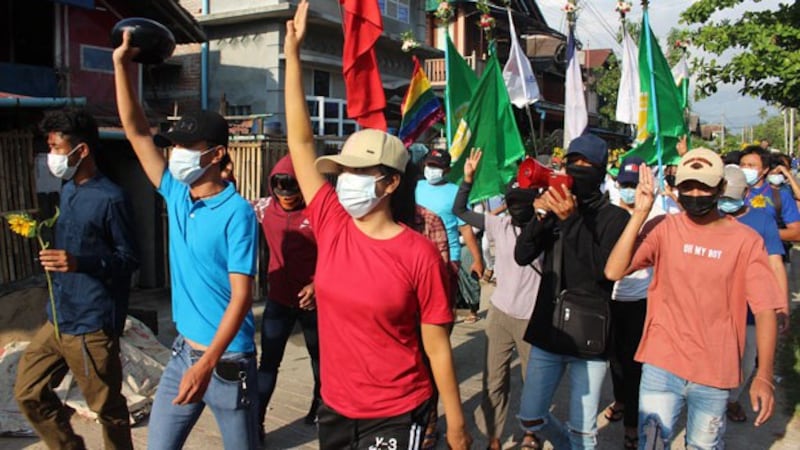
(558, 256)
(777, 202)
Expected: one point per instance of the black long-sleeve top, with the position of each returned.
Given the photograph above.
(589, 236)
(461, 210)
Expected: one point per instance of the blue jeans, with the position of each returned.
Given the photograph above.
(232, 402)
(276, 327)
(542, 378)
(662, 396)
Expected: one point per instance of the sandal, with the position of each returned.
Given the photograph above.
(631, 442)
(735, 412)
(614, 413)
(531, 442)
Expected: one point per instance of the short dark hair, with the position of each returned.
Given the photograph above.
(756, 150)
(403, 201)
(778, 159)
(225, 160)
(75, 124)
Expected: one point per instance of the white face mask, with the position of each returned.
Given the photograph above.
(434, 175)
(184, 164)
(750, 176)
(59, 164)
(776, 179)
(357, 193)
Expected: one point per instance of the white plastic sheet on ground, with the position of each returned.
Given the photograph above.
(143, 360)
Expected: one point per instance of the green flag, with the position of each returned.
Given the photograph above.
(489, 124)
(461, 83)
(661, 119)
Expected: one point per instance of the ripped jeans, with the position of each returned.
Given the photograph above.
(662, 396)
(543, 376)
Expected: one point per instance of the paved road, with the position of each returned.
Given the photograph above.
(285, 428)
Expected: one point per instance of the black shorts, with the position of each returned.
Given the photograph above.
(401, 432)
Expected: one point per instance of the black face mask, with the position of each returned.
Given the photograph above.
(698, 206)
(586, 180)
(520, 205)
(670, 179)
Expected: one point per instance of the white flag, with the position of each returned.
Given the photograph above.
(628, 95)
(575, 115)
(681, 71)
(518, 74)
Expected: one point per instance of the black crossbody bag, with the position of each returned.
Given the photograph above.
(581, 319)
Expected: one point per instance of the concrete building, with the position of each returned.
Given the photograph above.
(241, 68)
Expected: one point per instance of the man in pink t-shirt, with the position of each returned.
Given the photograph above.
(707, 269)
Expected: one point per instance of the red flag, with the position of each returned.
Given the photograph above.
(363, 26)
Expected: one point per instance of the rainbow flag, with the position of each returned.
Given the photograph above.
(420, 109)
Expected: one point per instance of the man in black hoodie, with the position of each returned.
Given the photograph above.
(588, 226)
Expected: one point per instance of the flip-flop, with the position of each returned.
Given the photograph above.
(530, 442)
(613, 414)
(472, 318)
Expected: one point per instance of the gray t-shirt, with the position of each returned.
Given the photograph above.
(517, 286)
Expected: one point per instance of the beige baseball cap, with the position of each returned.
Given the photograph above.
(700, 164)
(367, 148)
(735, 182)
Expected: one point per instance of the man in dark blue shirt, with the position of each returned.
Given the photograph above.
(91, 261)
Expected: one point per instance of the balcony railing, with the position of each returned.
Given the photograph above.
(435, 69)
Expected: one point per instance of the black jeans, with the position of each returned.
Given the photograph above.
(627, 323)
(276, 327)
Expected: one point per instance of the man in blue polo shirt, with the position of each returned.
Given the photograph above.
(212, 244)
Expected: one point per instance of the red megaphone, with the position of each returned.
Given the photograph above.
(533, 175)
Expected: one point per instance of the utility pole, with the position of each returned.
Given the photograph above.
(791, 130)
(785, 130)
(722, 128)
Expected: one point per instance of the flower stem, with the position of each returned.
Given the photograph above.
(43, 246)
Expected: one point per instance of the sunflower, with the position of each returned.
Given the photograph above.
(22, 224)
(759, 201)
(26, 226)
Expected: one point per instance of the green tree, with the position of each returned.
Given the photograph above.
(771, 129)
(767, 49)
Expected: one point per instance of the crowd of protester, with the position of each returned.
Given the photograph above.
(676, 282)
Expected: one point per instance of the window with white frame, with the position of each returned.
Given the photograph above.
(399, 10)
(329, 116)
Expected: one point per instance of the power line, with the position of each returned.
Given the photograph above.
(604, 24)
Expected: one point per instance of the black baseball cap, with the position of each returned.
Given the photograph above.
(192, 127)
(438, 158)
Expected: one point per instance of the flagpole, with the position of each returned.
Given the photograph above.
(658, 139)
(447, 112)
(649, 44)
(533, 132)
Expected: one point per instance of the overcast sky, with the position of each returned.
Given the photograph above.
(597, 25)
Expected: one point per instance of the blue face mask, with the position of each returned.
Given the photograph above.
(627, 195)
(730, 205)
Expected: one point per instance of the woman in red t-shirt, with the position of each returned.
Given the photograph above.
(381, 287)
